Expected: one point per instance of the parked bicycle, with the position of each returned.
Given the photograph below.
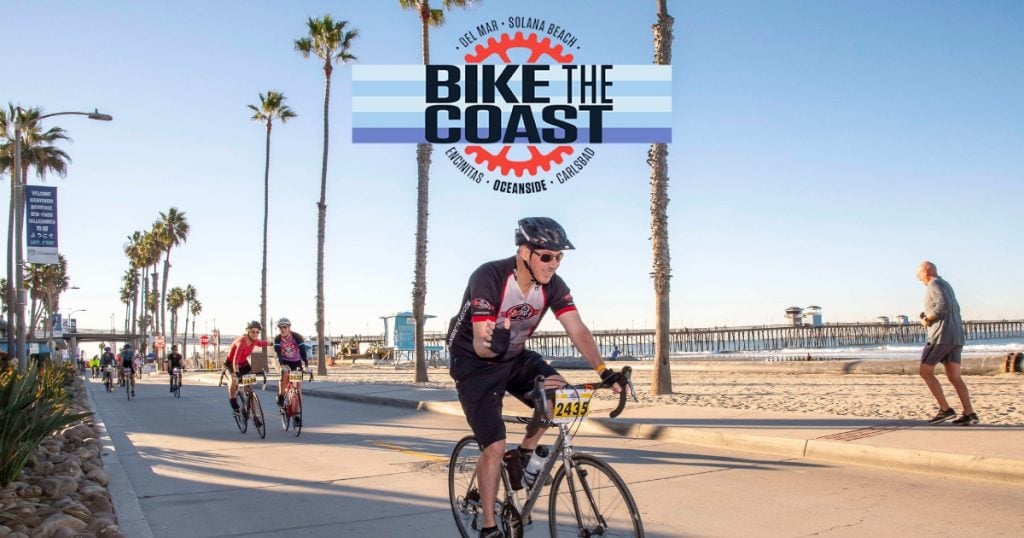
(176, 382)
(249, 407)
(587, 496)
(291, 411)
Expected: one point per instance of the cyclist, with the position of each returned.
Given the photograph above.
(291, 354)
(94, 365)
(238, 361)
(174, 360)
(107, 359)
(502, 305)
(126, 359)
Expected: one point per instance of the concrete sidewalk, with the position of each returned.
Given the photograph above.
(994, 453)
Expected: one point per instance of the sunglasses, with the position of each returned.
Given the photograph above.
(546, 258)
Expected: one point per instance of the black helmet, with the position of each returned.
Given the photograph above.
(127, 346)
(107, 348)
(543, 233)
(254, 325)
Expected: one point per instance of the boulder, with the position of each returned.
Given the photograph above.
(97, 475)
(79, 432)
(58, 486)
(52, 524)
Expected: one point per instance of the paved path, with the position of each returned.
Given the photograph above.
(379, 469)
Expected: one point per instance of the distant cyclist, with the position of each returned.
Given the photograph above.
(291, 354)
(127, 360)
(238, 359)
(174, 360)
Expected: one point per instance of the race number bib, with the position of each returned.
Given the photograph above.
(570, 405)
(248, 379)
(295, 376)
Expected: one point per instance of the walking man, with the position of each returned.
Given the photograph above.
(945, 341)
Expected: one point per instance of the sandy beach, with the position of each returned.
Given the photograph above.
(996, 398)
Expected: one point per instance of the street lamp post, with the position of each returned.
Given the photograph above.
(74, 337)
(18, 193)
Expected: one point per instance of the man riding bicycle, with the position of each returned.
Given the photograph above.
(127, 360)
(291, 354)
(174, 360)
(238, 360)
(503, 303)
(107, 359)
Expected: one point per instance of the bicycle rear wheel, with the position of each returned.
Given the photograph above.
(286, 417)
(257, 413)
(177, 386)
(128, 386)
(463, 494)
(595, 493)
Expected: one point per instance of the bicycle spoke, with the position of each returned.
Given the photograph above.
(462, 490)
(592, 500)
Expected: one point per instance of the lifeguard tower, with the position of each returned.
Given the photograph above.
(400, 340)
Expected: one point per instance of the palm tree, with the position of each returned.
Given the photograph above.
(190, 297)
(657, 158)
(129, 291)
(136, 262)
(173, 231)
(175, 300)
(150, 251)
(37, 151)
(428, 17)
(46, 283)
(330, 41)
(271, 107)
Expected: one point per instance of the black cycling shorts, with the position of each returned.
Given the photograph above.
(242, 370)
(482, 385)
(293, 366)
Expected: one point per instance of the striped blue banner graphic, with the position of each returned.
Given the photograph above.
(390, 105)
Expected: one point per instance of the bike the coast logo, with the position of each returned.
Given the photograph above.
(527, 111)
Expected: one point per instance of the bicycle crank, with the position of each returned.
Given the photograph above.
(511, 521)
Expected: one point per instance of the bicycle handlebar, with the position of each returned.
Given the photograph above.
(539, 397)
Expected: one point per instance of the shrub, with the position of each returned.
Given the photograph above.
(33, 405)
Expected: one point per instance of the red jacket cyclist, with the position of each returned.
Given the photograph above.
(238, 358)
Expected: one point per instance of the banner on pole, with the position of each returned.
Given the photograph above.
(41, 224)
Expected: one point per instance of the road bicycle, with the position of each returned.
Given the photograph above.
(249, 406)
(291, 411)
(108, 378)
(587, 496)
(176, 382)
(129, 383)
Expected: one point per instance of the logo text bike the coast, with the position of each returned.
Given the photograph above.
(521, 115)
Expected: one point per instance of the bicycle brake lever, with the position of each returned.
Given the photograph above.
(540, 406)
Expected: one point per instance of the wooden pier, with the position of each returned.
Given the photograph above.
(752, 338)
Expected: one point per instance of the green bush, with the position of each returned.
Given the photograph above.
(33, 405)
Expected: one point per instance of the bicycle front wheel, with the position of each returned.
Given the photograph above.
(257, 413)
(242, 416)
(296, 412)
(592, 500)
(463, 493)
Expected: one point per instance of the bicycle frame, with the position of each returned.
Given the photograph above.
(562, 447)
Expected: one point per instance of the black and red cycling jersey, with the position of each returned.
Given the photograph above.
(494, 295)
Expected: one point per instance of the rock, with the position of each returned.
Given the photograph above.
(58, 486)
(77, 509)
(52, 524)
(30, 492)
(88, 466)
(44, 468)
(79, 432)
(86, 454)
(97, 475)
(68, 468)
(111, 531)
(91, 490)
(64, 532)
(5, 531)
(99, 503)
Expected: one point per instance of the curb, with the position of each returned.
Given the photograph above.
(972, 467)
(130, 517)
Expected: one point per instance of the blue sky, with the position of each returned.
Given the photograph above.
(820, 151)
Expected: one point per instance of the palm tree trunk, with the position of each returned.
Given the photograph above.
(10, 272)
(266, 216)
(321, 225)
(419, 286)
(163, 293)
(184, 334)
(19, 274)
(657, 158)
(135, 304)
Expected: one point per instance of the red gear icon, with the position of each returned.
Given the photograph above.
(538, 48)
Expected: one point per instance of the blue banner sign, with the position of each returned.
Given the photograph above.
(41, 224)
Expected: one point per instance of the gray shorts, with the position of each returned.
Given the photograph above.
(935, 353)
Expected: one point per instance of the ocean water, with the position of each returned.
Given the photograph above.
(973, 348)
